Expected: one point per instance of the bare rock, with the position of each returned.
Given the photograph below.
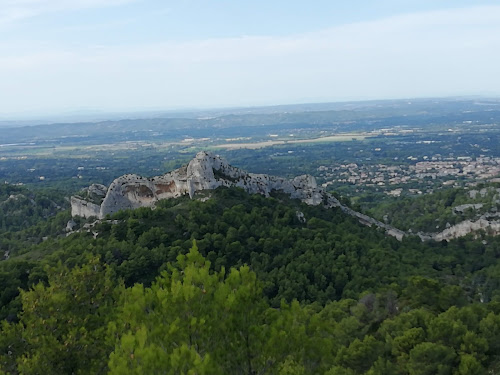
(70, 226)
(300, 215)
(464, 207)
(208, 171)
(465, 227)
(205, 172)
(83, 208)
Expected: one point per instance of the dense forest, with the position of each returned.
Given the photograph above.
(238, 283)
(21, 208)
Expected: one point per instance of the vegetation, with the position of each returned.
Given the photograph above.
(239, 284)
(194, 320)
(434, 212)
(244, 284)
(21, 208)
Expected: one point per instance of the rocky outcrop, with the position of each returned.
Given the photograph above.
(88, 204)
(365, 219)
(83, 208)
(464, 207)
(466, 227)
(70, 226)
(489, 223)
(208, 171)
(205, 172)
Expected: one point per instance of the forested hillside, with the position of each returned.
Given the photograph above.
(434, 212)
(21, 208)
(241, 283)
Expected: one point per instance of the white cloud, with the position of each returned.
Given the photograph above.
(432, 53)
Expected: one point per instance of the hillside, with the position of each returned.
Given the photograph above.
(21, 208)
(431, 213)
(365, 301)
(205, 172)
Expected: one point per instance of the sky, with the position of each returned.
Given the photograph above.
(58, 56)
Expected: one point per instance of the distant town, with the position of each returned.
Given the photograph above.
(449, 170)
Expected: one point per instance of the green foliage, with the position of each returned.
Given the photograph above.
(433, 212)
(208, 322)
(260, 292)
(21, 208)
(193, 320)
(64, 323)
(431, 359)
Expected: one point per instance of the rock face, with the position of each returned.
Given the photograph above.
(83, 208)
(369, 221)
(466, 227)
(70, 226)
(205, 172)
(89, 204)
(490, 223)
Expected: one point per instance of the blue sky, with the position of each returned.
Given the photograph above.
(126, 55)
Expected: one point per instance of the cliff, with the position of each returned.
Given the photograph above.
(205, 172)
(88, 204)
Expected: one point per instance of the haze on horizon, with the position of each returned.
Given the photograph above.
(136, 55)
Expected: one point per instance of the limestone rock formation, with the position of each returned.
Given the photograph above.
(70, 226)
(206, 171)
(89, 203)
(369, 221)
(489, 223)
(84, 208)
